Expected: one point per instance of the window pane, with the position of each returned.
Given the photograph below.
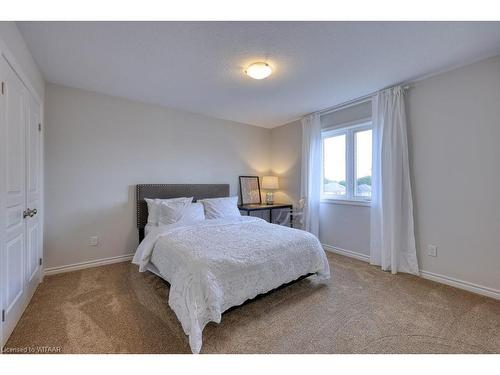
(363, 178)
(334, 166)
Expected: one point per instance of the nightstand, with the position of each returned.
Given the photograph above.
(263, 207)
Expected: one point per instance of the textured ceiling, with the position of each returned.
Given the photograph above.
(198, 66)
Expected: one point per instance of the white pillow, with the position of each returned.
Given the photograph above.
(193, 212)
(216, 208)
(172, 211)
(153, 211)
(154, 208)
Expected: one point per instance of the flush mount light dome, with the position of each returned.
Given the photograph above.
(259, 70)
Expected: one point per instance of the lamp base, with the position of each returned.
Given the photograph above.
(269, 197)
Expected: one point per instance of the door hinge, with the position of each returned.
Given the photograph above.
(40, 261)
(39, 127)
(3, 315)
(3, 88)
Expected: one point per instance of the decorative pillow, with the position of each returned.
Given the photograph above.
(193, 212)
(154, 208)
(172, 211)
(216, 208)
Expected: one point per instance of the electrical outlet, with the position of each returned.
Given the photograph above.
(432, 250)
(93, 241)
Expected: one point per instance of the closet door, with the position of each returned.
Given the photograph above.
(33, 198)
(14, 191)
(13, 257)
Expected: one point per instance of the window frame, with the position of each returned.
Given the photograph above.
(349, 129)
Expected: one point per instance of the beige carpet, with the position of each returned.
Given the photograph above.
(116, 309)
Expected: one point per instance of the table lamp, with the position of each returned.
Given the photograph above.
(270, 183)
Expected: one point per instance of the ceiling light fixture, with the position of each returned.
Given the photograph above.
(259, 70)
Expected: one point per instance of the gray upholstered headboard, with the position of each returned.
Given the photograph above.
(164, 191)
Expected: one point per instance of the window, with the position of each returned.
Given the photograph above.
(347, 163)
(363, 167)
(334, 165)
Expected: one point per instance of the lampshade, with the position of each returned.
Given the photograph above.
(270, 183)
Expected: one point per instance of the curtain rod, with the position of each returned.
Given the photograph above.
(353, 102)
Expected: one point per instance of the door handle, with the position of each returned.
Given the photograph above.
(29, 212)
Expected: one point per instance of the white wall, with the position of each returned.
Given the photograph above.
(454, 133)
(345, 226)
(14, 41)
(99, 147)
(286, 152)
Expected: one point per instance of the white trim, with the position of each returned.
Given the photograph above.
(457, 283)
(42, 186)
(461, 284)
(3, 131)
(88, 264)
(345, 201)
(348, 253)
(348, 130)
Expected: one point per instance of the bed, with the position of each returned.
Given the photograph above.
(216, 264)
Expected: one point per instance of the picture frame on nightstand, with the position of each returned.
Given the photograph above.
(250, 190)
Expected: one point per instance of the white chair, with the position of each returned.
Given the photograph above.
(294, 216)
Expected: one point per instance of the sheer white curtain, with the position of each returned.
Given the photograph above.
(311, 171)
(392, 232)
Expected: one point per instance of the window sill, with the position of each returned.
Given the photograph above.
(346, 202)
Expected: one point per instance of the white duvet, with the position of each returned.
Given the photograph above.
(215, 264)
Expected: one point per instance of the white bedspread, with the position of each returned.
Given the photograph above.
(216, 264)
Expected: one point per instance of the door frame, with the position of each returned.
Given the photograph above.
(6, 54)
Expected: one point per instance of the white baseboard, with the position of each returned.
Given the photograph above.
(349, 253)
(461, 284)
(89, 264)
